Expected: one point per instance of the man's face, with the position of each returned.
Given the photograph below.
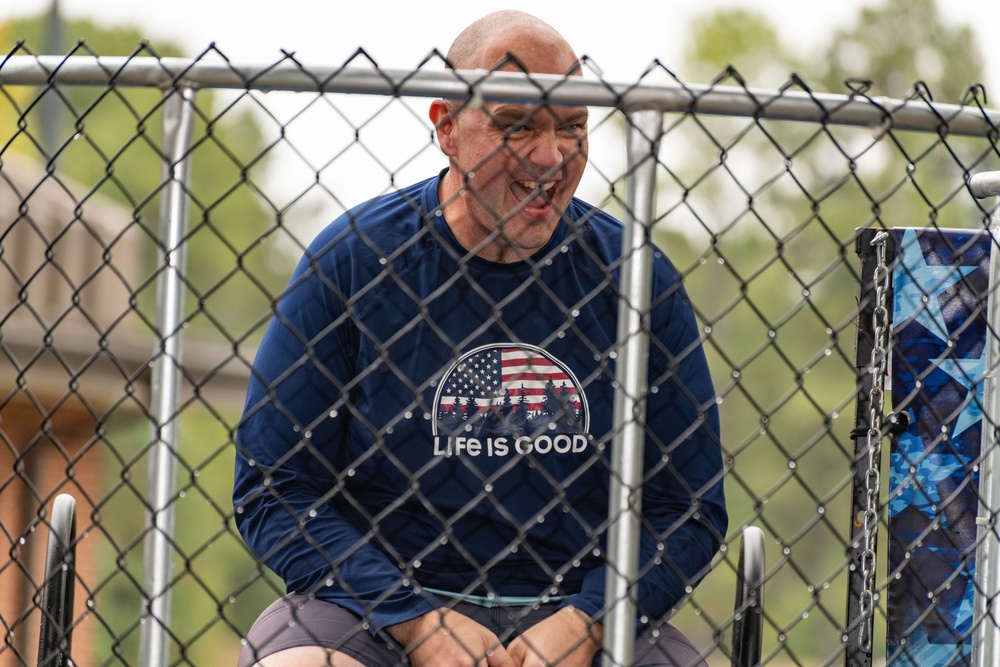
(519, 167)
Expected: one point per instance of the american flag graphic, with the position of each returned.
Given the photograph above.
(488, 374)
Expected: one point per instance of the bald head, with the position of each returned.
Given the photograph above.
(513, 40)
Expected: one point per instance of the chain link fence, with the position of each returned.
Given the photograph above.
(152, 209)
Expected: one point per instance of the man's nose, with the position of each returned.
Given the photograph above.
(549, 151)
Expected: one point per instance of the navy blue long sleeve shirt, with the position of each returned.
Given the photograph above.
(420, 417)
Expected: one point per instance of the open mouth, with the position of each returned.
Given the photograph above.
(535, 196)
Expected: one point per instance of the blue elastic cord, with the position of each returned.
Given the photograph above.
(496, 600)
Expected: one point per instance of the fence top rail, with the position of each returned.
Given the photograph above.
(858, 109)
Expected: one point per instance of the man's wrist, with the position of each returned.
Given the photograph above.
(594, 629)
(407, 632)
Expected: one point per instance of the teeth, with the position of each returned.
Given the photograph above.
(534, 185)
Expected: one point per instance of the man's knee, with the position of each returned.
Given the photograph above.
(308, 656)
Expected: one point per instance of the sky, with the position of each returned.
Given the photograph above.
(622, 37)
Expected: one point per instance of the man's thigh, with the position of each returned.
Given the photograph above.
(308, 656)
(296, 621)
(666, 646)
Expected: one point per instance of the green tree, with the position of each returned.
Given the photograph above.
(899, 43)
(759, 217)
(108, 145)
(739, 38)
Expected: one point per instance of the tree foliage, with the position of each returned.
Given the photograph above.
(108, 145)
(760, 217)
(899, 43)
(739, 37)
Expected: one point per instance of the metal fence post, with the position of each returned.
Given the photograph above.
(631, 371)
(986, 642)
(178, 126)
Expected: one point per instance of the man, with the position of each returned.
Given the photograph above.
(424, 453)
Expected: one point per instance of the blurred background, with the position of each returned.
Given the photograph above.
(759, 216)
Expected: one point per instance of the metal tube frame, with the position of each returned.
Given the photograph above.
(645, 104)
(986, 644)
(857, 110)
(178, 129)
(631, 376)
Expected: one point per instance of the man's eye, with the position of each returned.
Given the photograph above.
(513, 128)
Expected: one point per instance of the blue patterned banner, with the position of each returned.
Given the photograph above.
(940, 283)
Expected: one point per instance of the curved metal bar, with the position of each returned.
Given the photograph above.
(55, 633)
(986, 184)
(748, 623)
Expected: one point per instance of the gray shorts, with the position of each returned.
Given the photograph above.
(296, 620)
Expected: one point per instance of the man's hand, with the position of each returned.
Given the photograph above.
(567, 638)
(446, 638)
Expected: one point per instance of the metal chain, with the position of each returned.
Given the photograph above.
(877, 368)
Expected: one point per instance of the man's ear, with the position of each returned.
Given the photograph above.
(441, 115)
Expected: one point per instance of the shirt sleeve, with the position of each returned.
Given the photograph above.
(684, 517)
(289, 468)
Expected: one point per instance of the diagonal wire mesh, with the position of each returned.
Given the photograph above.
(757, 212)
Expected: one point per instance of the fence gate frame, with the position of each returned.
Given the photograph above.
(986, 640)
(874, 339)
